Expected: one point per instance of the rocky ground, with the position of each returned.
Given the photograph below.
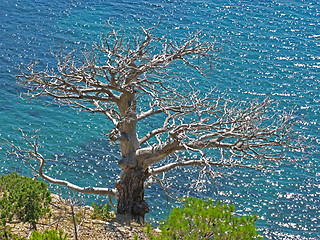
(87, 227)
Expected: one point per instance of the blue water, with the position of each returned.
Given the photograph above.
(273, 49)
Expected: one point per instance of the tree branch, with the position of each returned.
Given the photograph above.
(33, 153)
(170, 166)
(251, 133)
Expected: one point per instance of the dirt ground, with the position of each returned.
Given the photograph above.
(87, 227)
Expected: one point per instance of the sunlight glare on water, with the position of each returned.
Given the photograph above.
(272, 49)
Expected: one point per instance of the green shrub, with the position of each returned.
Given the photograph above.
(24, 198)
(49, 235)
(102, 212)
(202, 219)
(6, 234)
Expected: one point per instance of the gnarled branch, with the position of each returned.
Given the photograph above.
(250, 133)
(33, 153)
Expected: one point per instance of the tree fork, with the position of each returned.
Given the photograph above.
(131, 202)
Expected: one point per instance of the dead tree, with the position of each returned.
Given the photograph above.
(126, 79)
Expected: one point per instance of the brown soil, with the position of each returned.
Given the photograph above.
(88, 228)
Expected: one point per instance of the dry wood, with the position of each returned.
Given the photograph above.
(122, 72)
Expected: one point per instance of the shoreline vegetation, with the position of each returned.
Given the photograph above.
(28, 210)
(88, 227)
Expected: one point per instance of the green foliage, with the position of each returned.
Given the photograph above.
(202, 219)
(23, 197)
(102, 212)
(49, 235)
(6, 234)
(149, 232)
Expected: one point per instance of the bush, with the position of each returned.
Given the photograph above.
(6, 234)
(202, 219)
(102, 212)
(24, 198)
(49, 235)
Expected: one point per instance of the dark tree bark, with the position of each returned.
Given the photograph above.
(131, 202)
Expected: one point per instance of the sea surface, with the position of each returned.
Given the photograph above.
(272, 48)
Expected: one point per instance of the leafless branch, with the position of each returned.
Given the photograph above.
(170, 166)
(250, 133)
(32, 153)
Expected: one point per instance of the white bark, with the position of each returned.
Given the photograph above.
(168, 167)
(32, 152)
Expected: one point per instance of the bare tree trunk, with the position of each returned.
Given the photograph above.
(131, 202)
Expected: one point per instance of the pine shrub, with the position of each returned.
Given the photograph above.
(49, 235)
(202, 219)
(102, 212)
(24, 198)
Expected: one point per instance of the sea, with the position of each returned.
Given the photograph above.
(271, 48)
